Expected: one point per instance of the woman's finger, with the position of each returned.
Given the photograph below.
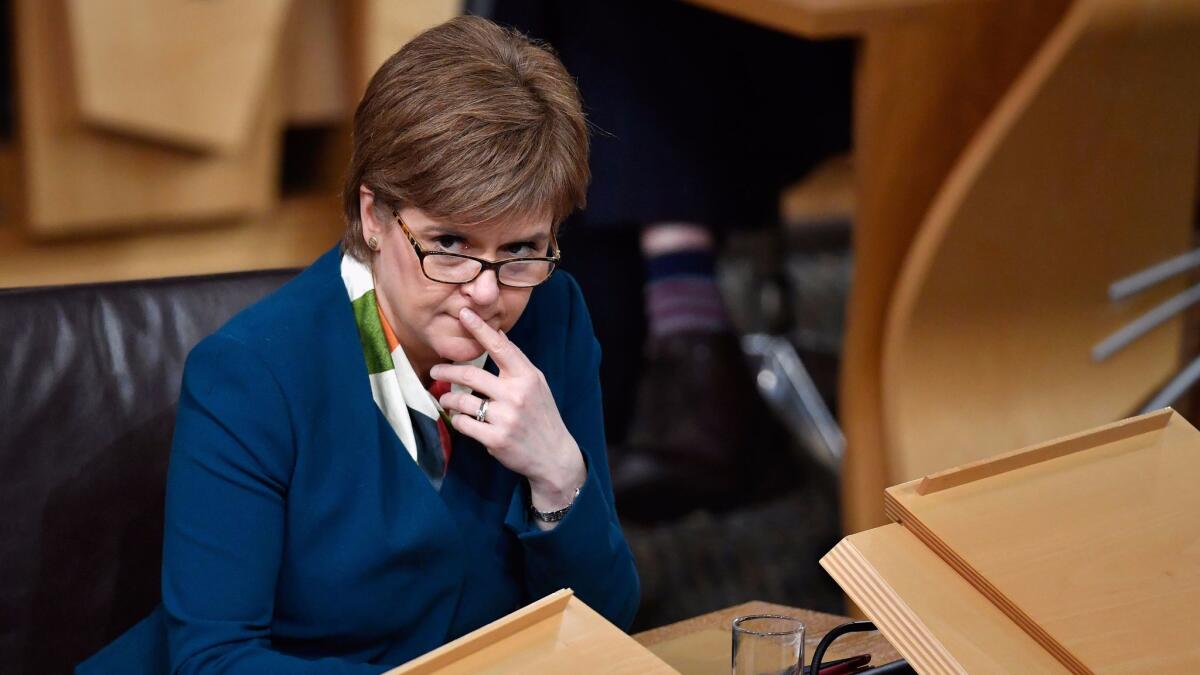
(461, 402)
(477, 379)
(507, 355)
(488, 436)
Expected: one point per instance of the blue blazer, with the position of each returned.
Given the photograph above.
(300, 535)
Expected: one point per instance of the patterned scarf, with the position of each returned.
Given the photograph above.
(412, 411)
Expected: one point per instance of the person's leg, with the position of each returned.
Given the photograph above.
(681, 285)
(699, 433)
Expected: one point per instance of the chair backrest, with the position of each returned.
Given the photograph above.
(89, 379)
(1084, 173)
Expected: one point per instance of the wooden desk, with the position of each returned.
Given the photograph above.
(928, 74)
(701, 645)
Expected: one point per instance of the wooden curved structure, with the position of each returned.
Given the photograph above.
(1085, 172)
(928, 74)
(923, 91)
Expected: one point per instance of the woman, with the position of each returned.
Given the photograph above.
(322, 516)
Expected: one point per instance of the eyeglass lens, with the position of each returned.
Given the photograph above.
(453, 269)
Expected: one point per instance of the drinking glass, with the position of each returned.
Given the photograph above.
(768, 644)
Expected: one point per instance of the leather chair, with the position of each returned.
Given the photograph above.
(89, 380)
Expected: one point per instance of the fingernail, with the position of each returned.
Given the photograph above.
(433, 372)
(467, 315)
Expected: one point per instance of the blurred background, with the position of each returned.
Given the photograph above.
(912, 212)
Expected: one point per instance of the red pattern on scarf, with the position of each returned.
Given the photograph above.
(437, 389)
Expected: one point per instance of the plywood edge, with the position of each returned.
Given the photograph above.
(1042, 452)
(549, 606)
(890, 613)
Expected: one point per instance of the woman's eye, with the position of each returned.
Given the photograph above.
(447, 242)
(522, 249)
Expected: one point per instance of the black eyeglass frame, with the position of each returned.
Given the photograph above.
(484, 265)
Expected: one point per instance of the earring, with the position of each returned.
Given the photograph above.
(373, 243)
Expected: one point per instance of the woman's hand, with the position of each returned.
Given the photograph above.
(522, 429)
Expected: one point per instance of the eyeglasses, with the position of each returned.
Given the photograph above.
(458, 268)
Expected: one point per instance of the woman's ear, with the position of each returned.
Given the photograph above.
(368, 215)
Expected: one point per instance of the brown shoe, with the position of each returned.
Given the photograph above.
(701, 437)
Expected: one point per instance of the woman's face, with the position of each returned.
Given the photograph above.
(424, 313)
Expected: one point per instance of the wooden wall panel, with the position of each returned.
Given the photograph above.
(77, 179)
(178, 71)
(380, 27)
(293, 234)
(316, 68)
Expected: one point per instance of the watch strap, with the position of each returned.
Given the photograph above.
(555, 516)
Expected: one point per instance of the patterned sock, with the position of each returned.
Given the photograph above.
(682, 294)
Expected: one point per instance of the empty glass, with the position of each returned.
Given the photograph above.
(767, 644)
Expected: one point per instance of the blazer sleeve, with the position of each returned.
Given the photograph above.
(586, 551)
(227, 485)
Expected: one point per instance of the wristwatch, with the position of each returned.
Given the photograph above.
(554, 516)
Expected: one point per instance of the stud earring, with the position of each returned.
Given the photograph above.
(373, 243)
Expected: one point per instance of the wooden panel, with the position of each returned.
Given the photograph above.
(291, 235)
(922, 90)
(934, 617)
(825, 194)
(556, 634)
(183, 72)
(1085, 173)
(1044, 451)
(380, 27)
(316, 73)
(1093, 553)
(78, 179)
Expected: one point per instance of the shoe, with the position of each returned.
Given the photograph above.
(701, 436)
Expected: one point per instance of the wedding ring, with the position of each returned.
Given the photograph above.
(481, 414)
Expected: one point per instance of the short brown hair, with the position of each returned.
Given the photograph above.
(471, 123)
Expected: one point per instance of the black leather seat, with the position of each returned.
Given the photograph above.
(89, 379)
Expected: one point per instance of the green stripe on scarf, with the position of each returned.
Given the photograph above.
(370, 334)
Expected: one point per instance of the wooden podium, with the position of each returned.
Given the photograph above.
(1079, 555)
(557, 634)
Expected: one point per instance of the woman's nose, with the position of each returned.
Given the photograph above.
(484, 290)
